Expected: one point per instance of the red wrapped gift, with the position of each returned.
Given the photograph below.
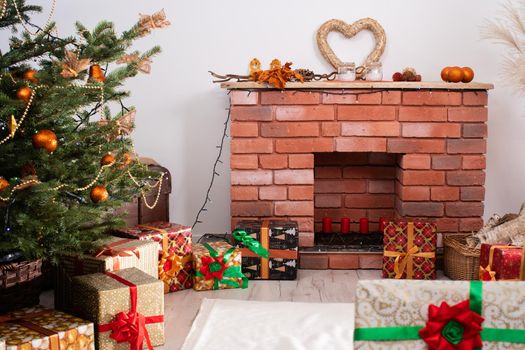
(499, 262)
(175, 264)
(410, 250)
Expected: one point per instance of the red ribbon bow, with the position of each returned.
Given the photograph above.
(212, 268)
(130, 326)
(452, 327)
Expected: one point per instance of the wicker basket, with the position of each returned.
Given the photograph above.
(20, 285)
(460, 261)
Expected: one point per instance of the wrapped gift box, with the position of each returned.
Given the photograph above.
(394, 314)
(114, 302)
(174, 240)
(500, 262)
(410, 250)
(114, 254)
(217, 265)
(39, 328)
(279, 238)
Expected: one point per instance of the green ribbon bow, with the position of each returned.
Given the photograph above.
(230, 272)
(250, 243)
(412, 332)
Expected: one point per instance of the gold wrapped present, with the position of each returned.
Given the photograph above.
(39, 328)
(420, 315)
(127, 308)
(217, 265)
(114, 254)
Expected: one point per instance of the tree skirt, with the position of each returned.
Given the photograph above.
(235, 324)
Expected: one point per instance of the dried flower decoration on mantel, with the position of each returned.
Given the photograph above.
(509, 30)
(277, 76)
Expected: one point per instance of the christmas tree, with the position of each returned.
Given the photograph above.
(66, 159)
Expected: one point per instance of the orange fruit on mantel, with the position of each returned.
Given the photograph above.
(444, 73)
(468, 74)
(455, 74)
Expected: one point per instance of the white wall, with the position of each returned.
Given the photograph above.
(181, 113)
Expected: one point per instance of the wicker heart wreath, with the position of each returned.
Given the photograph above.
(349, 31)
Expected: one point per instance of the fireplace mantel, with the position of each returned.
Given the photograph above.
(405, 85)
(413, 150)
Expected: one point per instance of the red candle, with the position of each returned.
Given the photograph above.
(345, 225)
(363, 225)
(327, 225)
(382, 224)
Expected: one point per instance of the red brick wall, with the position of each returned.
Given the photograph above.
(439, 134)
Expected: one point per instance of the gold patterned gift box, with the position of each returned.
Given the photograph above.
(39, 328)
(420, 315)
(127, 306)
(217, 265)
(114, 254)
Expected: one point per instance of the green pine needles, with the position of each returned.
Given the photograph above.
(45, 204)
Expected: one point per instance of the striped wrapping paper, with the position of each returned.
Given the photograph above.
(115, 254)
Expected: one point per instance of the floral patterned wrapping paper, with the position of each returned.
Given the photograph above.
(72, 332)
(504, 264)
(114, 254)
(174, 240)
(100, 298)
(202, 258)
(394, 303)
(409, 254)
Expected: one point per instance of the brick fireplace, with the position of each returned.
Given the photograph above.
(357, 149)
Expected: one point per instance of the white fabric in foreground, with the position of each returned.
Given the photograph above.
(235, 324)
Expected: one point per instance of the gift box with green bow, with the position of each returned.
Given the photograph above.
(217, 265)
(269, 248)
(440, 315)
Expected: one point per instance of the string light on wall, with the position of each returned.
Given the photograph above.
(215, 173)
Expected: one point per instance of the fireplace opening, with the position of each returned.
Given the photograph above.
(359, 188)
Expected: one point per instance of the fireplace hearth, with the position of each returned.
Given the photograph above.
(358, 150)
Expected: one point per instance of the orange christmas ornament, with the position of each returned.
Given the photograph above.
(455, 74)
(30, 75)
(444, 73)
(24, 94)
(468, 74)
(99, 194)
(107, 159)
(96, 73)
(3, 184)
(27, 170)
(126, 160)
(46, 139)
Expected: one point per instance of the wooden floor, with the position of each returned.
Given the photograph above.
(335, 286)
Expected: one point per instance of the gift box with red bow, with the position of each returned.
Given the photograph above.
(127, 308)
(499, 262)
(217, 265)
(112, 254)
(174, 240)
(439, 315)
(39, 328)
(409, 250)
